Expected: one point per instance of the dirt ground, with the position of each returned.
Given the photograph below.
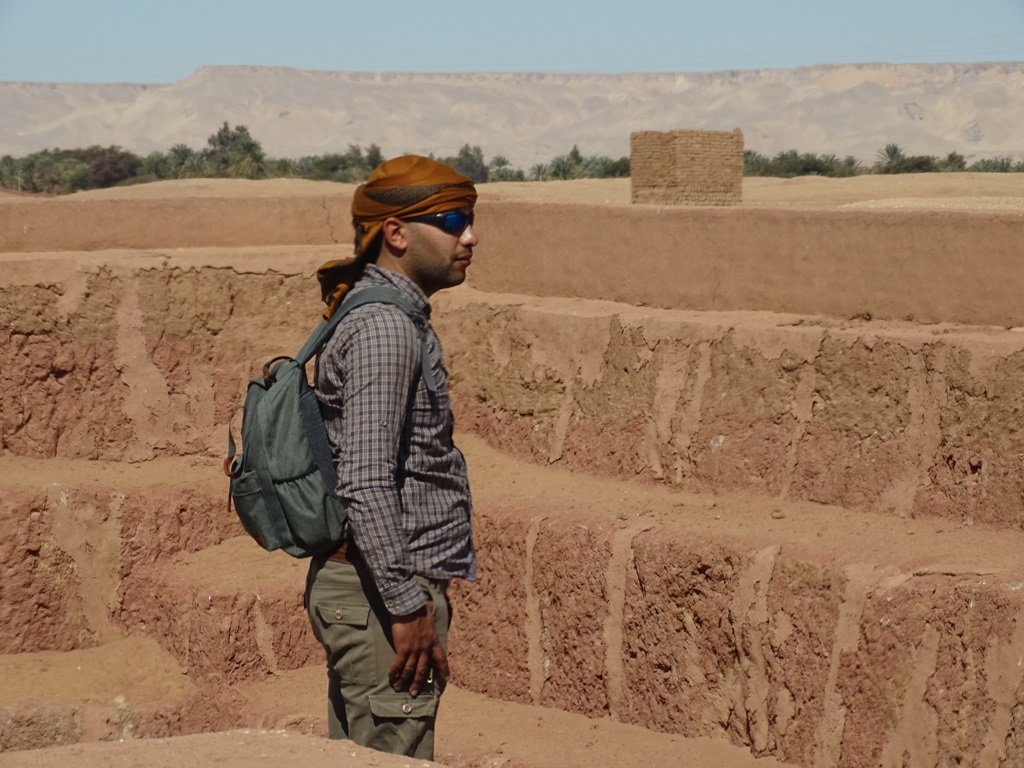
(952, 190)
(476, 731)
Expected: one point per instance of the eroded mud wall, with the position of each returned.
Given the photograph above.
(129, 355)
(907, 421)
(143, 357)
(76, 537)
(758, 631)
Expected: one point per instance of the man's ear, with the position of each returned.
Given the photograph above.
(395, 234)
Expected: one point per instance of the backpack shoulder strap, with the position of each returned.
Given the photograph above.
(376, 294)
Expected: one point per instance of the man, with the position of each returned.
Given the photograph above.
(379, 604)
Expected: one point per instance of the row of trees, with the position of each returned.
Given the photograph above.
(229, 153)
(234, 153)
(892, 158)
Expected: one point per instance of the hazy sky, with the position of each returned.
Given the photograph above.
(146, 41)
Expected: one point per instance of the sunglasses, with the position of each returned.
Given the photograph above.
(452, 222)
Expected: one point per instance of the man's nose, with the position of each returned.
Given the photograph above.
(468, 236)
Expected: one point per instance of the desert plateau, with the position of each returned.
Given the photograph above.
(748, 480)
(974, 109)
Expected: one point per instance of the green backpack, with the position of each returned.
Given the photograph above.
(283, 482)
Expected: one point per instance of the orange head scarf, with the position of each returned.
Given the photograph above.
(404, 187)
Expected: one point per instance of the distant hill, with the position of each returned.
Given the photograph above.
(849, 109)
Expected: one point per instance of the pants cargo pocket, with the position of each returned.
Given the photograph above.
(345, 630)
(401, 706)
(401, 724)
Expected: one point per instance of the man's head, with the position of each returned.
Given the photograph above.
(405, 188)
(413, 216)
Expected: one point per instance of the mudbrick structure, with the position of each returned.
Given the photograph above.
(750, 475)
(686, 167)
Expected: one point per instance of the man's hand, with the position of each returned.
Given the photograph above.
(417, 648)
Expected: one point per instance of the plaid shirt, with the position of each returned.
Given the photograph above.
(400, 475)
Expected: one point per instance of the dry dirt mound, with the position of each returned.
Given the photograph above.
(217, 188)
(229, 749)
(953, 190)
(474, 731)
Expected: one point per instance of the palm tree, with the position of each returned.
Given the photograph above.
(179, 157)
(282, 167)
(954, 161)
(891, 153)
(246, 159)
(156, 165)
(754, 163)
(374, 157)
(10, 173)
(500, 169)
(849, 166)
(889, 158)
(994, 165)
(196, 167)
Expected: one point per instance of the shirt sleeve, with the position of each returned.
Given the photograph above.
(374, 367)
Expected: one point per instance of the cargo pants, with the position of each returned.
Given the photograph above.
(349, 619)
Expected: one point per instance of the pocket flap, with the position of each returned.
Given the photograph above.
(337, 613)
(399, 704)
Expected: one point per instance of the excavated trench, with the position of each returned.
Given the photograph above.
(771, 495)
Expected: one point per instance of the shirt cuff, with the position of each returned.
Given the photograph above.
(404, 598)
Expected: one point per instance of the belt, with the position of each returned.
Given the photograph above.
(346, 553)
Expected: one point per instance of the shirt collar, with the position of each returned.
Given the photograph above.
(401, 283)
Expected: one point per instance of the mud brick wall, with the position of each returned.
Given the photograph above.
(687, 167)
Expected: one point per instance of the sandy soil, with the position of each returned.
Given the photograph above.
(947, 191)
(954, 190)
(476, 731)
